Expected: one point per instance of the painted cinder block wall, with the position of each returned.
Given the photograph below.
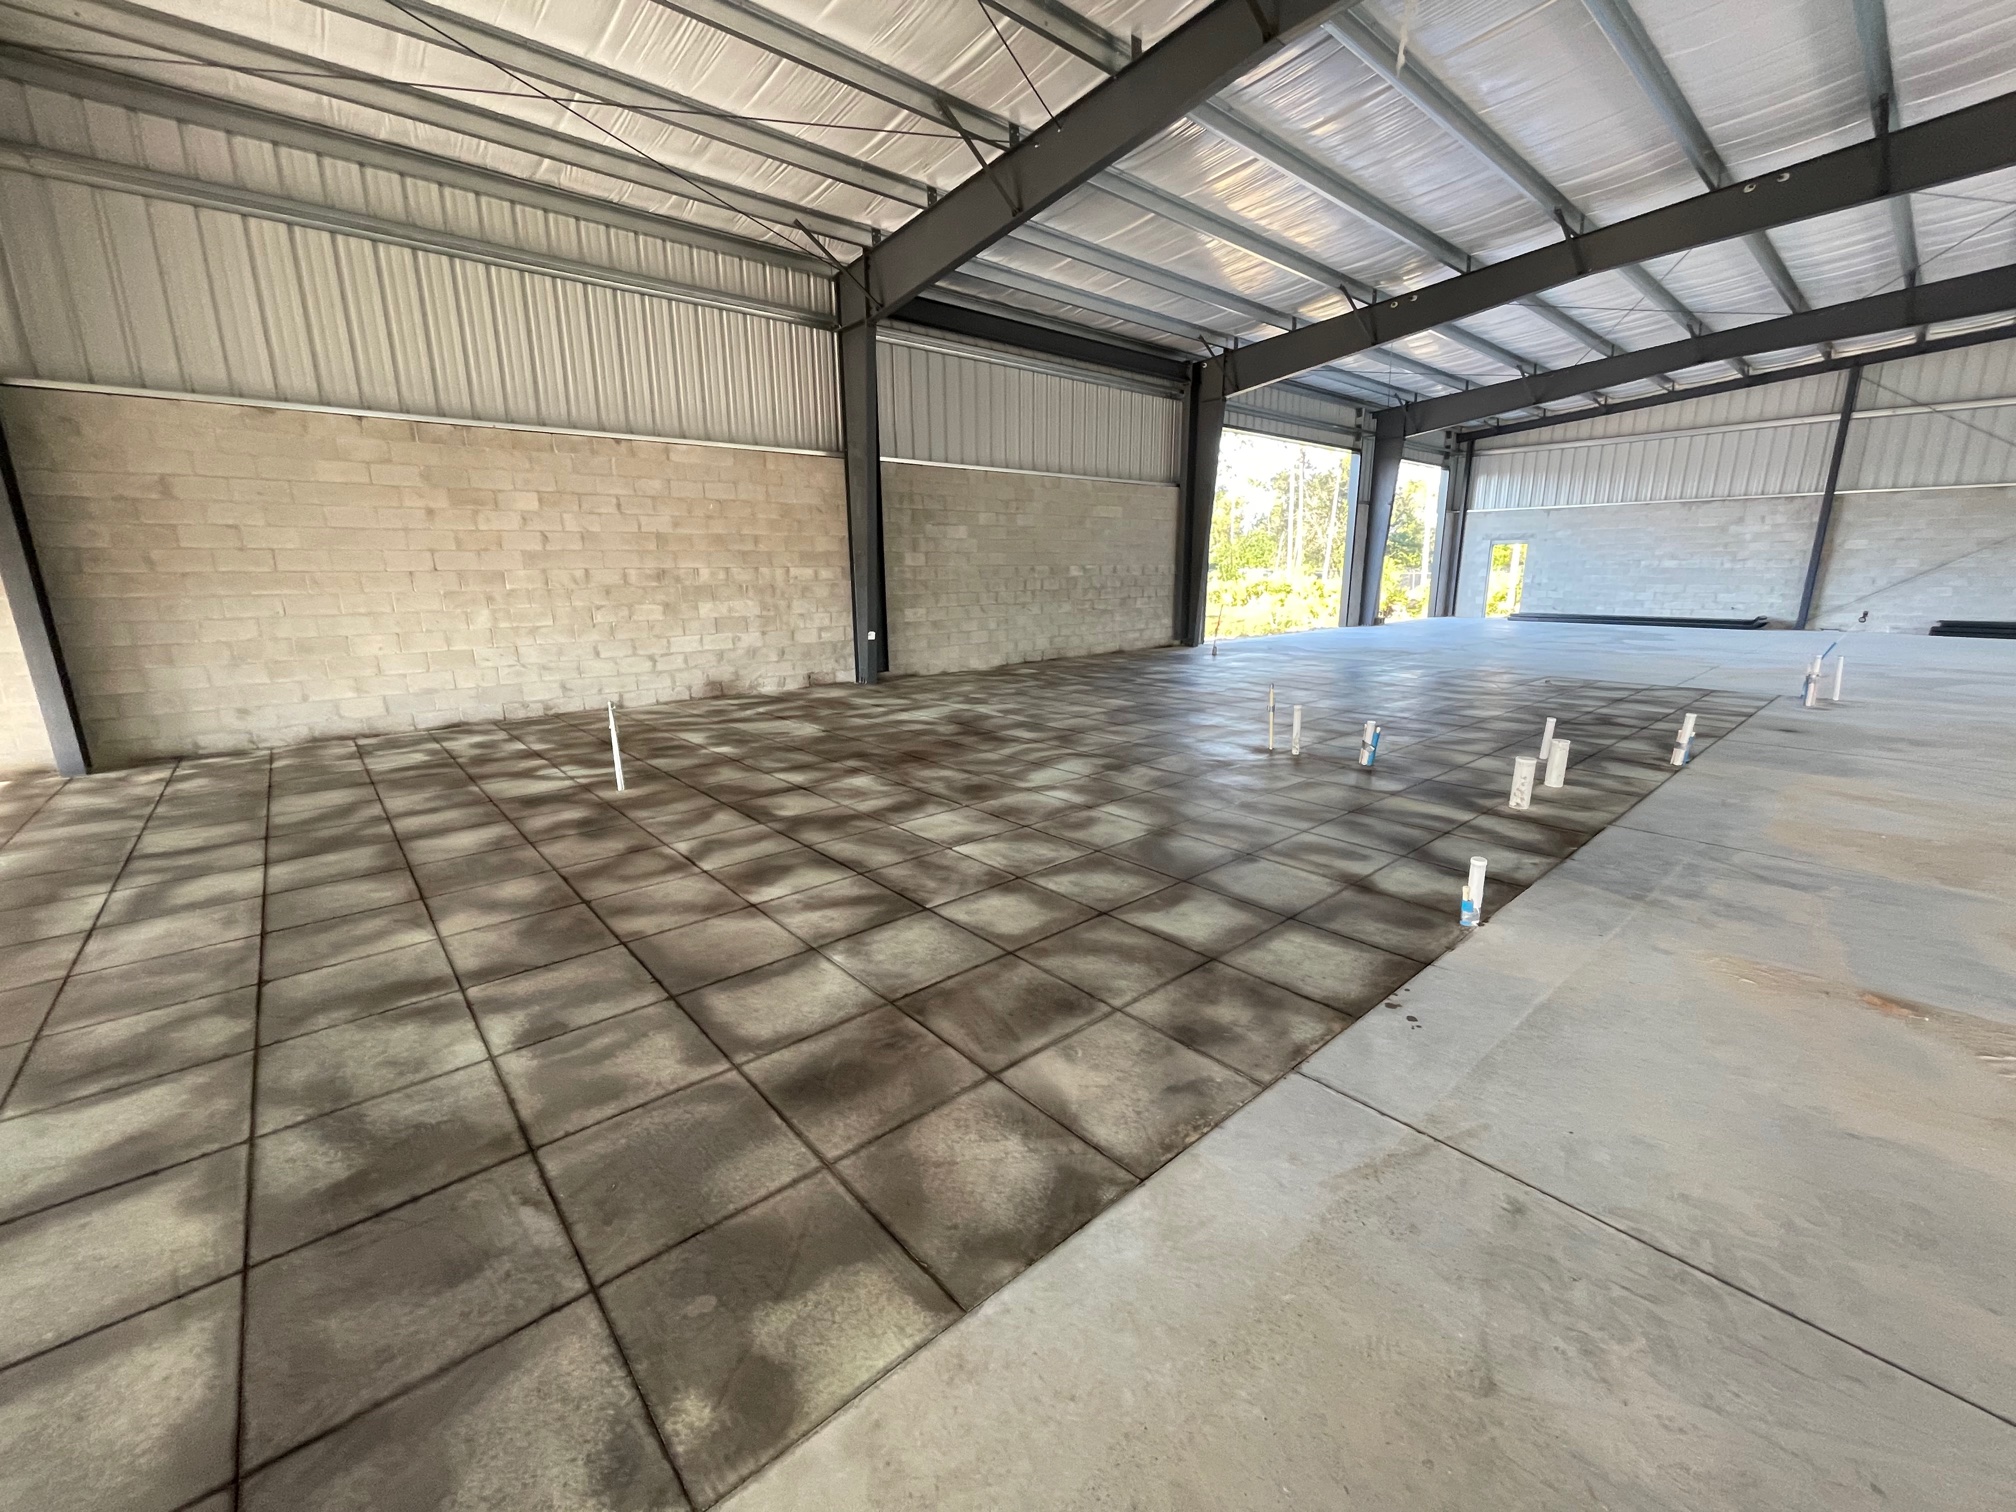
(1720, 558)
(1905, 558)
(987, 567)
(228, 576)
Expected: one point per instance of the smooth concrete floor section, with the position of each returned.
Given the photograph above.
(1690, 1183)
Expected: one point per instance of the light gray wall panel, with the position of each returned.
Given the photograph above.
(125, 290)
(977, 406)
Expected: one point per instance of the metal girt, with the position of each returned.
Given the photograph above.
(1215, 46)
(129, 93)
(1619, 22)
(1896, 353)
(1963, 298)
(1203, 430)
(989, 325)
(1974, 140)
(136, 24)
(807, 48)
(68, 168)
(1365, 40)
(438, 26)
(1872, 28)
(1365, 555)
(1850, 391)
(41, 649)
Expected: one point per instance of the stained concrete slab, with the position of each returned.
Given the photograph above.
(1689, 1182)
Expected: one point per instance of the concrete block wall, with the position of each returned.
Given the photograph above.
(228, 576)
(1721, 558)
(1907, 559)
(985, 568)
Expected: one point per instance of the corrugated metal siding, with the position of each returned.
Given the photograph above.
(1296, 414)
(1758, 462)
(138, 139)
(121, 289)
(1956, 446)
(1947, 420)
(976, 407)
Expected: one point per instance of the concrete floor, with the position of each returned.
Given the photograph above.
(1691, 1183)
(602, 1145)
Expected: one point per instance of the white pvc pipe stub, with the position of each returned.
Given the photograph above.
(615, 748)
(1368, 743)
(1557, 764)
(1547, 740)
(1295, 732)
(1522, 780)
(1270, 716)
(1473, 895)
(1840, 668)
(1683, 743)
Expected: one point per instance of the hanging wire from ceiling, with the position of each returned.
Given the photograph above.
(1002, 37)
(769, 226)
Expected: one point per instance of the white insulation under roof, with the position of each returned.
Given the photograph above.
(804, 128)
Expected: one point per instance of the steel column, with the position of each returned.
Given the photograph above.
(1449, 532)
(1365, 563)
(1203, 427)
(1850, 391)
(861, 443)
(28, 599)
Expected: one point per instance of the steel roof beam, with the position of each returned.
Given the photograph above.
(1084, 38)
(1975, 140)
(1369, 43)
(1627, 34)
(1215, 46)
(137, 25)
(1758, 379)
(1974, 294)
(1872, 28)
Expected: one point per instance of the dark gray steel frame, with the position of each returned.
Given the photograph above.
(28, 598)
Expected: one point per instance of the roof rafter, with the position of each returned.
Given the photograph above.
(1973, 294)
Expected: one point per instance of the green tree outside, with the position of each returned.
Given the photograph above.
(1277, 536)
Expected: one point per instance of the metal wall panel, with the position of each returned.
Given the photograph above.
(113, 134)
(122, 289)
(1296, 414)
(1947, 420)
(975, 405)
(1759, 461)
